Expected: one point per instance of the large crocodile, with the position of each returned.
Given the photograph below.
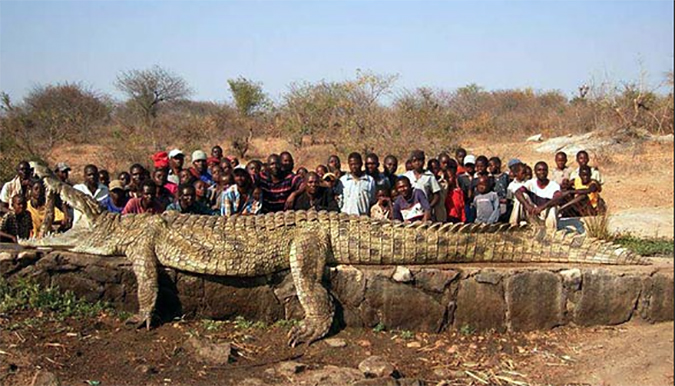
(303, 242)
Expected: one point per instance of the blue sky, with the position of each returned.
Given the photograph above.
(445, 44)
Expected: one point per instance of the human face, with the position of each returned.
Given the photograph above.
(240, 180)
(417, 164)
(104, 177)
(561, 161)
(582, 159)
(62, 174)
(137, 176)
(313, 181)
(435, 168)
(334, 163)
(444, 162)
(481, 166)
(177, 161)
(160, 177)
(390, 165)
(459, 156)
(275, 166)
(147, 196)
(372, 165)
(355, 166)
(23, 170)
(117, 195)
(200, 189)
(125, 178)
(184, 176)
(226, 165)
(216, 173)
(494, 167)
(19, 205)
(91, 177)
(470, 168)
(521, 174)
(585, 176)
(450, 177)
(403, 188)
(200, 165)
(528, 173)
(37, 193)
(217, 152)
(382, 197)
(253, 168)
(541, 171)
(482, 186)
(287, 163)
(321, 170)
(187, 198)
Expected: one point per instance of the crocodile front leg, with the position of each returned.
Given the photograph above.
(308, 259)
(144, 264)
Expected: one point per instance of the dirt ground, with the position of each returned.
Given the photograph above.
(107, 352)
(639, 179)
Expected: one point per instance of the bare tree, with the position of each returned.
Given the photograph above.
(147, 89)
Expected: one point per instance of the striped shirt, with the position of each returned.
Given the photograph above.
(275, 194)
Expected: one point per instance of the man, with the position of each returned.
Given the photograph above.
(287, 162)
(242, 198)
(217, 153)
(62, 170)
(334, 165)
(199, 168)
(92, 187)
(147, 203)
(279, 189)
(316, 196)
(465, 182)
(355, 190)
(137, 173)
(117, 197)
(411, 204)
(187, 202)
(423, 180)
(176, 159)
(460, 155)
(373, 170)
(166, 191)
(390, 168)
(540, 196)
(20, 184)
(38, 210)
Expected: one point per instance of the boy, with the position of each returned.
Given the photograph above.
(587, 201)
(37, 208)
(423, 180)
(411, 204)
(464, 181)
(582, 160)
(17, 223)
(543, 196)
(454, 201)
(382, 209)
(501, 184)
(486, 202)
(561, 173)
(460, 155)
(517, 211)
(356, 190)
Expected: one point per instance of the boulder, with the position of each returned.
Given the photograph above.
(377, 367)
(480, 306)
(534, 300)
(606, 298)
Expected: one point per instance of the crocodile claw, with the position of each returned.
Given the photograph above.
(139, 321)
(308, 331)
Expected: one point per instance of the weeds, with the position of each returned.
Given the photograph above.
(598, 226)
(467, 329)
(406, 334)
(646, 246)
(286, 323)
(242, 324)
(380, 327)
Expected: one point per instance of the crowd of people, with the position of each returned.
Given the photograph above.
(463, 188)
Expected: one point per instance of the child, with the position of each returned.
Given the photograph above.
(411, 204)
(501, 184)
(454, 201)
(486, 202)
(520, 177)
(582, 160)
(17, 223)
(382, 209)
(201, 190)
(561, 172)
(587, 201)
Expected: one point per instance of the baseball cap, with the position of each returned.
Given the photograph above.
(175, 153)
(198, 155)
(115, 184)
(470, 159)
(513, 161)
(62, 167)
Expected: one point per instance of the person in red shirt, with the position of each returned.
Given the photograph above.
(454, 201)
(147, 202)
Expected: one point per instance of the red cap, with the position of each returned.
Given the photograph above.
(161, 159)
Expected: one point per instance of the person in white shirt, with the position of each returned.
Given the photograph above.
(356, 189)
(540, 196)
(91, 187)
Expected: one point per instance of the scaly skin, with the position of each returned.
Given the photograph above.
(304, 242)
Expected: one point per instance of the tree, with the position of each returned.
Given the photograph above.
(249, 97)
(147, 89)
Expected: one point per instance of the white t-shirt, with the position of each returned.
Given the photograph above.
(513, 188)
(426, 182)
(546, 192)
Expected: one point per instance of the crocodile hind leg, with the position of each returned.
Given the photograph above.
(144, 264)
(308, 259)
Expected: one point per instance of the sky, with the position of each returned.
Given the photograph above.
(543, 45)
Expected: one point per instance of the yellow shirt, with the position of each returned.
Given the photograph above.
(38, 216)
(593, 197)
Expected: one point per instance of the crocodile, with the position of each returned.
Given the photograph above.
(304, 242)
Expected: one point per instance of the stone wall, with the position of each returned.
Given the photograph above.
(420, 298)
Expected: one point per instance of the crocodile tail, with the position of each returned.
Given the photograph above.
(73, 197)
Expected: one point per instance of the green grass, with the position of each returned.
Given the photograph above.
(27, 295)
(645, 246)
